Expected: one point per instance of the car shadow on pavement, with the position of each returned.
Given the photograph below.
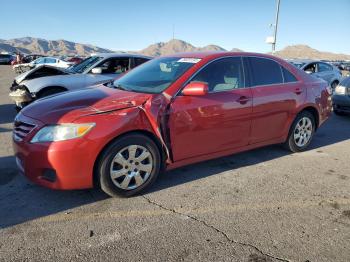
(22, 201)
(7, 113)
(335, 130)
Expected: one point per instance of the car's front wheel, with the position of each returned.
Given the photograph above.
(301, 132)
(129, 165)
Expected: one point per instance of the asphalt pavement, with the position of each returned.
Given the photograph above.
(262, 205)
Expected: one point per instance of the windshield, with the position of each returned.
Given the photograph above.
(85, 64)
(298, 64)
(156, 75)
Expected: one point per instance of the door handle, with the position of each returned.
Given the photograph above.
(298, 90)
(243, 100)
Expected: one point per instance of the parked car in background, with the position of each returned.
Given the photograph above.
(98, 68)
(320, 69)
(6, 59)
(39, 71)
(52, 61)
(27, 59)
(75, 60)
(341, 97)
(219, 103)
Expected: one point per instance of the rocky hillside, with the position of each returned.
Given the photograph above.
(63, 47)
(48, 47)
(306, 52)
(176, 46)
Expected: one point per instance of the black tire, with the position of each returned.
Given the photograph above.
(50, 91)
(291, 144)
(107, 156)
(338, 113)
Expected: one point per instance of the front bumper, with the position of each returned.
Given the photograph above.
(56, 165)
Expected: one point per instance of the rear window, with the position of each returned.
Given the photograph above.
(265, 71)
(140, 60)
(288, 76)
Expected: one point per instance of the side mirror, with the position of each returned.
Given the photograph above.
(96, 70)
(309, 72)
(196, 89)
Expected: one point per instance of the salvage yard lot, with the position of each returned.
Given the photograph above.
(262, 205)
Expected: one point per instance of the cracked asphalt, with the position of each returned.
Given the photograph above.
(262, 205)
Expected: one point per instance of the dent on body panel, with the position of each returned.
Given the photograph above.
(155, 110)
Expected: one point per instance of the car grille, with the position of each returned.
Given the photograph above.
(22, 129)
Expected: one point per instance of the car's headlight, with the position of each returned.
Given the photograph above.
(340, 90)
(61, 132)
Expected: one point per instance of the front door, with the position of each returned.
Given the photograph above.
(217, 121)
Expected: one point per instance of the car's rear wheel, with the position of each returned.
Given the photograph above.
(301, 132)
(129, 165)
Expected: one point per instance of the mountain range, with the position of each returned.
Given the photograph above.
(63, 47)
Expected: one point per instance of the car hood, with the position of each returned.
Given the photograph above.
(24, 75)
(67, 107)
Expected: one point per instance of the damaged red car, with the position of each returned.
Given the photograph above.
(169, 112)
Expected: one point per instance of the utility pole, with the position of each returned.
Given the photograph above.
(173, 31)
(276, 26)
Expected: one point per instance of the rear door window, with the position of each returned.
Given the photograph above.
(50, 60)
(288, 76)
(265, 71)
(322, 67)
(140, 60)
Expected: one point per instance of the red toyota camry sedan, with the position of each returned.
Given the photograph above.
(169, 112)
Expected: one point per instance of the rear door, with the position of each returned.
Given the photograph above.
(217, 121)
(276, 95)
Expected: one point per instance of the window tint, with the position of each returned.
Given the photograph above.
(139, 60)
(311, 68)
(223, 74)
(265, 71)
(40, 60)
(115, 66)
(156, 75)
(50, 60)
(288, 76)
(324, 67)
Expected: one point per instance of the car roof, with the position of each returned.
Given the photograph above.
(109, 55)
(218, 54)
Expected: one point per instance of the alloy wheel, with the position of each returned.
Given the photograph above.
(131, 167)
(303, 131)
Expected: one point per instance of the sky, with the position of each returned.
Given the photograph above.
(133, 25)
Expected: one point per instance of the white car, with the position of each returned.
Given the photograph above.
(51, 61)
(97, 69)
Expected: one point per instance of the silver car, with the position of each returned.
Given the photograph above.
(96, 69)
(320, 69)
